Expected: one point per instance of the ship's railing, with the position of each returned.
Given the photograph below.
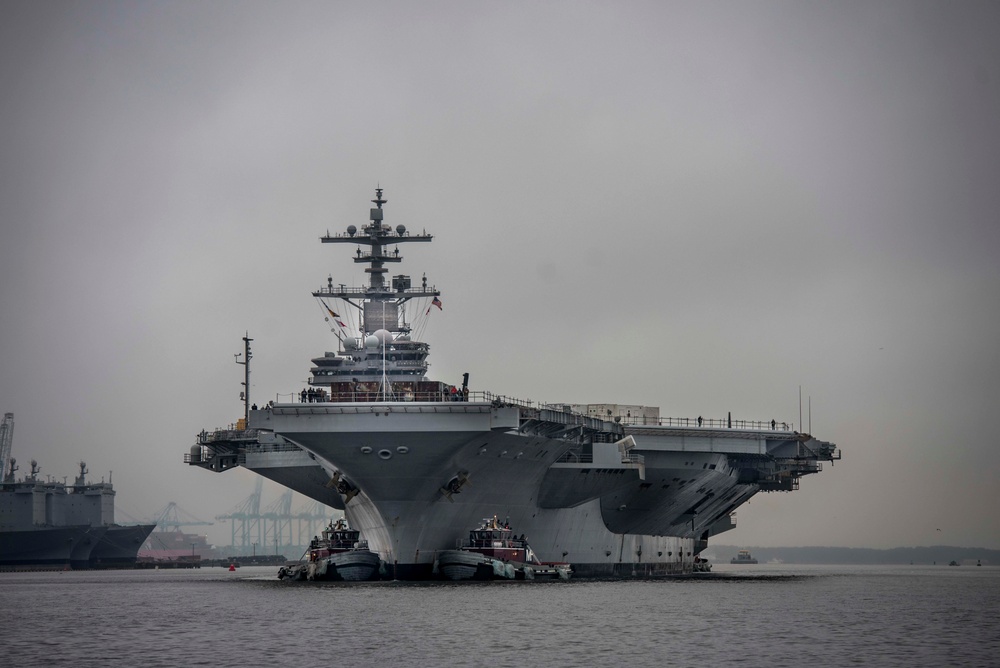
(505, 400)
(329, 373)
(633, 458)
(342, 290)
(230, 433)
(274, 447)
(708, 423)
(391, 362)
(359, 396)
(573, 457)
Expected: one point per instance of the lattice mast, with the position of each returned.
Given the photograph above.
(378, 303)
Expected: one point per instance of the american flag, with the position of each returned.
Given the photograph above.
(434, 302)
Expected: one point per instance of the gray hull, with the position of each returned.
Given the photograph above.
(119, 546)
(41, 547)
(463, 565)
(354, 566)
(413, 477)
(402, 456)
(83, 548)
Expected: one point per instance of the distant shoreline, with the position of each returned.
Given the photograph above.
(935, 554)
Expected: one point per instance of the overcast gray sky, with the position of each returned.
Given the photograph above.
(698, 206)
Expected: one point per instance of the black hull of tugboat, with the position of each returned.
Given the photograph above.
(457, 565)
(353, 566)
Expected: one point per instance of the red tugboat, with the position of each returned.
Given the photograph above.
(494, 552)
(338, 555)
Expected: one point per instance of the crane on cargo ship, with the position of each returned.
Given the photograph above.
(6, 441)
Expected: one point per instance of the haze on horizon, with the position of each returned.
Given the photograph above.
(697, 206)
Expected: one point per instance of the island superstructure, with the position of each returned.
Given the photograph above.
(414, 462)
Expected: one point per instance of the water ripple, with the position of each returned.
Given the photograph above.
(811, 616)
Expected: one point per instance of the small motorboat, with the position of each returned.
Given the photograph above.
(743, 557)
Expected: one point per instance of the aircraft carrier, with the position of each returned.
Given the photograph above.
(614, 490)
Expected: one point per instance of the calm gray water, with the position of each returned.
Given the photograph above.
(762, 616)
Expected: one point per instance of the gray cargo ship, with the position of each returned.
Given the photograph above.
(615, 490)
(48, 524)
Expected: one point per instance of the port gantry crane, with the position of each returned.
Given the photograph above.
(254, 530)
(169, 518)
